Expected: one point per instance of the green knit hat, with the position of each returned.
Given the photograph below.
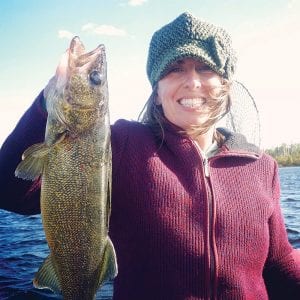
(188, 36)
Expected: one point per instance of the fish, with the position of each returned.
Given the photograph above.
(74, 166)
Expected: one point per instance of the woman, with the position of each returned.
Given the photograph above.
(195, 209)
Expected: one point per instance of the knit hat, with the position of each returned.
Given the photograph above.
(188, 36)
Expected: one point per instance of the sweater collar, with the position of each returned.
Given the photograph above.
(237, 143)
(234, 144)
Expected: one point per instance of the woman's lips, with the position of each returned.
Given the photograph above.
(191, 102)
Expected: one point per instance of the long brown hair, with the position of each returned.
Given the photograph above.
(218, 103)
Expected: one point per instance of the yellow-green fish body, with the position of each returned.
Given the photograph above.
(75, 163)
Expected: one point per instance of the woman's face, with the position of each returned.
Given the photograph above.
(184, 90)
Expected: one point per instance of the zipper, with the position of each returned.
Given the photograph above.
(205, 166)
(212, 249)
(210, 230)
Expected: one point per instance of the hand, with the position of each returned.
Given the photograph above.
(60, 77)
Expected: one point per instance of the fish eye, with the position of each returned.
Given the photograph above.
(96, 77)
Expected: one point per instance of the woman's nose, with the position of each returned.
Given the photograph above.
(192, 80)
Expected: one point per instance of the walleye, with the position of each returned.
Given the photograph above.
(75, 166)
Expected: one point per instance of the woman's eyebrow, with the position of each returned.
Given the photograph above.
(180, 61)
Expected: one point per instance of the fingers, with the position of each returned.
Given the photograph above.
(62, 67)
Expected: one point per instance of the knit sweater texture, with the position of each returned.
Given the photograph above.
(179, 234)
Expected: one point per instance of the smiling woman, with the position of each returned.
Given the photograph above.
(193, 97)
(188, 220)
(187, 87)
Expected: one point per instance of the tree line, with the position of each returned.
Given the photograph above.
(286, 155)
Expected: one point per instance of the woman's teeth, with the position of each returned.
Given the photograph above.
(192, 103)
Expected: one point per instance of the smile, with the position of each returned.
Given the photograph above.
(191, 103)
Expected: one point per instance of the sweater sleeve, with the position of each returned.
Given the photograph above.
(282, 269)
(18, 195)
(119, 137)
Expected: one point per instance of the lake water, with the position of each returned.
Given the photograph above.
(23, 246)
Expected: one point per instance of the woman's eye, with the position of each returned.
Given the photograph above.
(176, 69)
(205, 70)
(96, 77)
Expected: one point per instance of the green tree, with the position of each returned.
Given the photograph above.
(286, 155)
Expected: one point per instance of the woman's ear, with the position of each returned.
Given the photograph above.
(155, 95)
(157, 100)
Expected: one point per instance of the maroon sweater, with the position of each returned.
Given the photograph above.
(179, 234)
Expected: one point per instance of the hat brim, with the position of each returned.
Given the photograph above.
(184, 51)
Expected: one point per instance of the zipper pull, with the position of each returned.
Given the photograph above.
(205, 165)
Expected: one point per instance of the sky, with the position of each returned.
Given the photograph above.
(34, 34)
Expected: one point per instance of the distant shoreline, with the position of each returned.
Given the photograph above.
(286, 155)
(293, 166)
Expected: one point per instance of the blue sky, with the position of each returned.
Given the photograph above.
(34, 34)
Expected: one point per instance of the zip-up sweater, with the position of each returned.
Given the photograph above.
(178, 233)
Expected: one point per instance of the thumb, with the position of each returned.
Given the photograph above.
(60, 76)
(62, 68)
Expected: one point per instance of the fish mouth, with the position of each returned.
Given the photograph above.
(81, 61)
(75, 96)
(76, 46)
(86, 76)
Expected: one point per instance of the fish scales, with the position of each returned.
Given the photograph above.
(75, 164)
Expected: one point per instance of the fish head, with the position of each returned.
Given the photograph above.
(80, 96)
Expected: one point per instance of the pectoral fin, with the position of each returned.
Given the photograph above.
(46, 277)
(108, 268)
(31, 167)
